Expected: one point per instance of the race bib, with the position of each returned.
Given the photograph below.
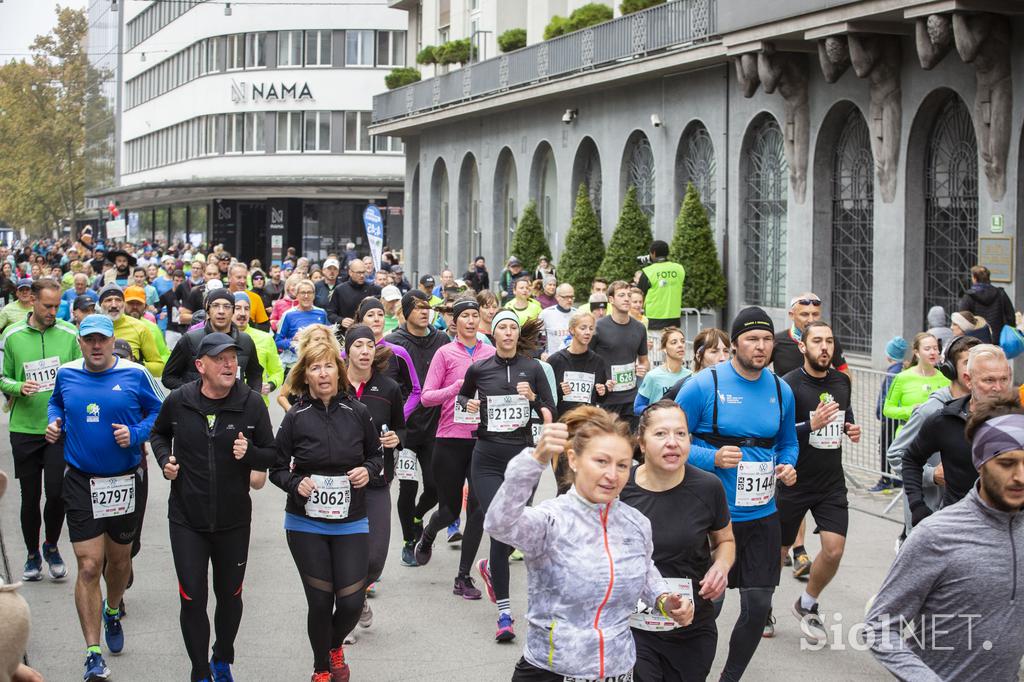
(114, 496)
(331, 499)
(581, 386)
(175, 315)
(535, 429)
(464, 417)
(506, 413)
(43, 372)
(650, 619)
(755, 483)
(624, 377)
(830, 436)
(406, 465)
(624, 677)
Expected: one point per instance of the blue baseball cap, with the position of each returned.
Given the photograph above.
(96, 324)
(24, 282)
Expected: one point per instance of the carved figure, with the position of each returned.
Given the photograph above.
(834, 57)
(877, 58)
(788, 73)
(746, 73)
(934, 37)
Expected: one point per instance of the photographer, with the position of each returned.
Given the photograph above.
(662, 283)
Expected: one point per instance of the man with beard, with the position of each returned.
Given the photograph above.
(786, 355)
(823, 416)
(123, 264)
(133, 331)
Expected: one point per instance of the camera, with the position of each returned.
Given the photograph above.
(644, 260)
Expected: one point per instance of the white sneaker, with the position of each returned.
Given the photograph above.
(366, 617)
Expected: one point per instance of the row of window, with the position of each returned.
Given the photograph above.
(247, 133)
(155, 17)
(364, 48)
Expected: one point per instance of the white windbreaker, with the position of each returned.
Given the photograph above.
(587, 565)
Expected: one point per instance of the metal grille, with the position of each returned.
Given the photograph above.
(766, 215)
(698, 166)
(951, 206)
(641, 173)
(853, 213)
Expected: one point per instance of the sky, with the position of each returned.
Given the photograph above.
(22, 20)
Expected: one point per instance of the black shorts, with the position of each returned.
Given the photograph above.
(32, 454)
(526, 672)
(758, 560)
(82, 526)
(830, 509)
(682, 655)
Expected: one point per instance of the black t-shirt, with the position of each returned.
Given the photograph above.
(620, 345)
(194, 301)
(786, 355)
(818, 470)
(589, 363)
(383, 397)
(681, 519)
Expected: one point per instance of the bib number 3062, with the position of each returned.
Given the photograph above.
(113, 496)
(755, 483)
(331, 499)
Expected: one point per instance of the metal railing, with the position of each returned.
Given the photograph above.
(675, 24)
(866, 456)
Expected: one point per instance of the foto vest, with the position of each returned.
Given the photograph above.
(664, 298)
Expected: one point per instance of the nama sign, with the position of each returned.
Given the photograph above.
(243, 92)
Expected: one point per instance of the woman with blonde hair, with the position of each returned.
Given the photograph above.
(286, 302)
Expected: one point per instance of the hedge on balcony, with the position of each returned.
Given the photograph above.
(403, 75)
(512, 39)
(587, 15)
(426, 56)
(630, 6)
(454, 52)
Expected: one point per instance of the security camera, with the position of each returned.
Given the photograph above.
(655, 120)
(569, 116)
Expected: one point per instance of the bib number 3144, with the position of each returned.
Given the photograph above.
(755, 483)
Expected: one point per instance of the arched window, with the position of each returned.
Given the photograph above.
(951, 206)
(853, 216)
(469, 211)
(640, 172)
(547, 197)
(439, 212)
(587, 171)
(765, 215)
(695, 162)
(506, 214)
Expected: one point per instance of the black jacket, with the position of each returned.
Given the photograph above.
(181, 366)
(941, 432)
(327, 441)
(422, 423)
(346, 299)
(211, 491)
(498, 376)
(383, 398)
(993, 304)
(477, 280)
(323, 293)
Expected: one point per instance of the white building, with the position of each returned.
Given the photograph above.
(246, 123)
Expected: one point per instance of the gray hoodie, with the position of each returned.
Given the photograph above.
(938, 325)
(932, 492)
(957, 579)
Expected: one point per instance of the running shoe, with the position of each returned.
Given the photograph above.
(465, 588)
(95, 668)
(454, 532)
(505, 632)
(112, 630)
(350, 638)
(33, 568)
(787, 560)
(57, 568)
(801, 566)
(423, 551)
(516, 555)
(881, 487)
(220, 670)
(485, 575)
(769, 626)
(371, 591)
(366, 617)
(810, 622)
(417, 525)
(122, 609)
(340, 671)
(409, 554)
(322, 677)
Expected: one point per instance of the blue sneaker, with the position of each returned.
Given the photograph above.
(33, 568)
(112, 630)
(95, 668)
(454, 532)
(505, 632)
(220, 671)
(57, 568)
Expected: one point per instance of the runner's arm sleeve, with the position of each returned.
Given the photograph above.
(55, 408)
(691, 399)
(509, 519)
(641, 350)
(408, 378)
(281, 473)
(468, 389)
(150, 402)
(253, 368)
(8, 384)
(397, 423)
(162, 433)
(150, 353)
(918, 566)
(434, 393)
(787, 447)
(892, 408)
(283, 338)
(600, 377)
(907, 434)
(332, 306)
(273, 371)
(261, 452)
(544, 397)
(914, 458)
(640, 404)
(373, 453)
(174, 370)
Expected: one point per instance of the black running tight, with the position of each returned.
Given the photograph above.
(755, 603)
(489, 462)
(39, 465)
(333, 572)
(408, 508)
(378, 513)
(452, 465)
(193, 553)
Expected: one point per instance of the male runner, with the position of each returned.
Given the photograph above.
(622, 342)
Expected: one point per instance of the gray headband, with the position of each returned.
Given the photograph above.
(996, 436)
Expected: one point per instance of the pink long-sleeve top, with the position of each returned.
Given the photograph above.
(444, 378)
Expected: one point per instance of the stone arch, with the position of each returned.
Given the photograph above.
(504, 202)
(638, 170)
(469, 243)
(586, 169)
(764, 185)
(440, 215)
(544, 190)
(696, 162)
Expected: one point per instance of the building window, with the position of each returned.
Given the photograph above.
(318, 131)
(641, 173)
(289, 48)
(697, 165)
(951, 206)
(236, 51)
(318, 48)
(289, 131)
(390, 48)
(210, 46)
(357, 137)
(387, 144)
(233, 141)
(255, 50)
(212, 125)
(358, 48)
(254, 132)
(765, 216)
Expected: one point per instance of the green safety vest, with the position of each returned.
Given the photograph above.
(664, 299)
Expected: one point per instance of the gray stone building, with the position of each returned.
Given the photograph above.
(867, 150)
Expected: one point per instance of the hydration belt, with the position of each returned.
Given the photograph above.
(718, 440)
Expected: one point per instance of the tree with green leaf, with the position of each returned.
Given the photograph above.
(427, 56)
(403, 75)
(529, 242)
(630, 6)
(512, 39)
(632, 237)
(584, 246)
(582, 17)
(693, 247)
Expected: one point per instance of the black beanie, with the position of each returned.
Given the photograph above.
(751, 319)
(216, 294)
(462, 306)
(356, 332)
(366, 305)
(409, 300)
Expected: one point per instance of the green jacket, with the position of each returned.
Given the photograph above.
(24, 343)
(158, 338)
(662, 284)
(266, 353)
(13, 312)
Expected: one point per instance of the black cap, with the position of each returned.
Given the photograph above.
(122, 348)
(215, 344)
(427, 280)
(216, 294)
(749, 320)
(84, 303)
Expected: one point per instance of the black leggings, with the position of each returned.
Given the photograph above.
(333, 572)
(408, 508)
(489, 462)
(682, 655)
(378, 512)
(755, 603)
(452, 468)
(193, 552)
(39, 465)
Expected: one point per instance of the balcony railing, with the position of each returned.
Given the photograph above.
(675, 24)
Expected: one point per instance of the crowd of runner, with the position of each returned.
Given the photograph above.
(682, 467)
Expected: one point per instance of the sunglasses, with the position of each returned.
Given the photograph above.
(816, 302)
